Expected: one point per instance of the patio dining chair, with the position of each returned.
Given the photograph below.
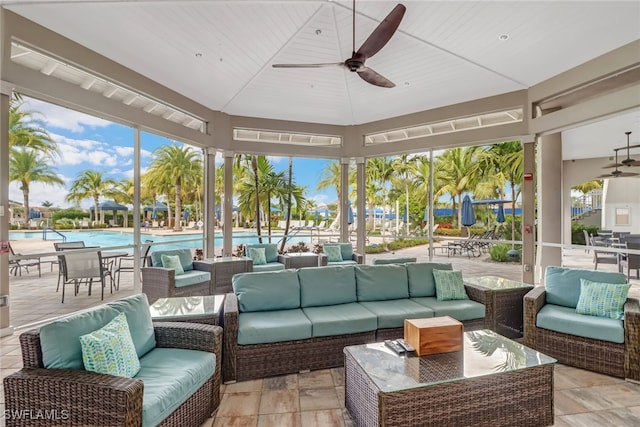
(126, 263)
(632, 261)
(17, 263)
(61, 246)
(83, 267)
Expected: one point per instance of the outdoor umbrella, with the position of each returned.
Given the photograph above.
(500, 214)
(468, 217)
(185, 214)
(350, 215)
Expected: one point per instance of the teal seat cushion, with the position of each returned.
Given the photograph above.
(267, 290)
(270, 266)
(273, 326)
(381, 261)
(165, 387)
(136, 308)
(192, 277)
(566, 320)
(340, 319)
(381, 282)
(346, 262)
(421, 282)
(327, 285)
(391, 313)
(60, 339)
(186, 259)
(562, 285)
(458, 309)
(346, 249)
(270, 250)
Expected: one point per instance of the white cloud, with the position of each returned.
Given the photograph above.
(39, 193)
(123, 151)
(101, 158)
(64, 118)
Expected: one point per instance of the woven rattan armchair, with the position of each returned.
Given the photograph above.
(85, 398)
(618, 360)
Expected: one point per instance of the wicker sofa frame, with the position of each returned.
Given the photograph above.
(246, 362)
(618, 360)
(160, 282)
(88, 398)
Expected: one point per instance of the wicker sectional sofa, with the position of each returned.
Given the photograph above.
(552, 326)
(294, 320)
(178, 383)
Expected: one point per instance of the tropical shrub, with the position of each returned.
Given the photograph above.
(498, 253)
(577, 233)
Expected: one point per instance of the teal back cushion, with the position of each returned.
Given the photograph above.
(562, 284)
(136, 308)
(186, 259)
(346, 249)
(381, 282)
(327, 285)
(267, 290)
(270, 250)
(60, 339)
(421, 282)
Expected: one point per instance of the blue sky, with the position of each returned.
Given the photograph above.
(87, 142)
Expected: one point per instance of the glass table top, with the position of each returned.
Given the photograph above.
(484, 353)
(185, 307)
(496, 283)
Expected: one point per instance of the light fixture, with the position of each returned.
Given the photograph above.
(503, 37)
(616, 173)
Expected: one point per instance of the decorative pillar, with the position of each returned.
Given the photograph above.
(227, 205)
(361, 229)
(137, 262)
(344, 199)
(5, 97)
(209, 202)
(528, 211)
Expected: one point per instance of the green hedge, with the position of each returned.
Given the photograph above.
(498, 253)
(577, 233)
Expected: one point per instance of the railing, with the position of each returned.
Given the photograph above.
(585, 204)
(47, 229)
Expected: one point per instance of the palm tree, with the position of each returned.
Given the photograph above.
(25, 167)
(91, 184)
(330, 178)
(177, 165)
(26, 129)
(252, 161)
(380, 170)
(403, 166)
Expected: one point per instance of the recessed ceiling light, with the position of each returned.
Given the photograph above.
(318, 32)
(407, 83)
(503, 37)
(198, 55)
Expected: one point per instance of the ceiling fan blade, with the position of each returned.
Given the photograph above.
(612, 165)
(383, 32)
(323, 65)
(370, 76)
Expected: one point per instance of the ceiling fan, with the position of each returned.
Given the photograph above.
(628, 161)
(376, 41)
(618, 173)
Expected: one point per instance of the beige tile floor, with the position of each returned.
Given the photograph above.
(317, 398)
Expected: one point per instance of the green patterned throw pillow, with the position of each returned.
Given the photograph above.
(602, 299)
(258, 255)
(172, 261)
(333, 253)
(110, 350)
(449, 285)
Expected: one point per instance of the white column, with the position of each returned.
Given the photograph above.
(137, 262)
(209, 202)
(361, 220)
(344, 199)
(5, 96)
(227, 227)
(528, 212)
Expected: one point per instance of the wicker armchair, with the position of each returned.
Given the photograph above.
(618, 360)
(86, 398)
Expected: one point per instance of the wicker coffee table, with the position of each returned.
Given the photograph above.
(205, 309)
(303, 259)
(506, 299)
(493, 381)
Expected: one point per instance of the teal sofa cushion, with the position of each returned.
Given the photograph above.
(136, 308)
(338, 263)
(270, 250)
(327, 285)
(270, 266)
(273, 326)
(381, 261)
(340, 319)
(566, 320)
(192, 277)
(60, 339)
(391, 313)
(267, 290)
(562, 285)
(458, 309)
(381, 282)
(165, 387)
(421, 283)
(186, 259)
(346, 249)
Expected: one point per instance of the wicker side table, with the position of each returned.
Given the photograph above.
(223, 270)
(303, 259)
(205, 309)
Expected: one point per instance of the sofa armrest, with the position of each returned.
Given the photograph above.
(322, 260)
(358, 258)
(75, 397)
(534, 300)
(158, 282)
(203, 266)
(190, 336)
(230, 341)
(485, 297)
(286, 260)
(632, 343)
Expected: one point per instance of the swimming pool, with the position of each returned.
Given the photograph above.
(106, 238)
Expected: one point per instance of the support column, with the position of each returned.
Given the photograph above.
(5, 97)
(137, 262)
(209, 202)
(227, 226)
(549, 184)
(361, 220)
(528, 212)
(431, 217)
(344, 199)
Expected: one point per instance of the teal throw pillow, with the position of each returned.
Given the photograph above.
(258, 255)
(602, 299)
(110, 349)
(333, 253)
(449, 285)
(173, 262)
